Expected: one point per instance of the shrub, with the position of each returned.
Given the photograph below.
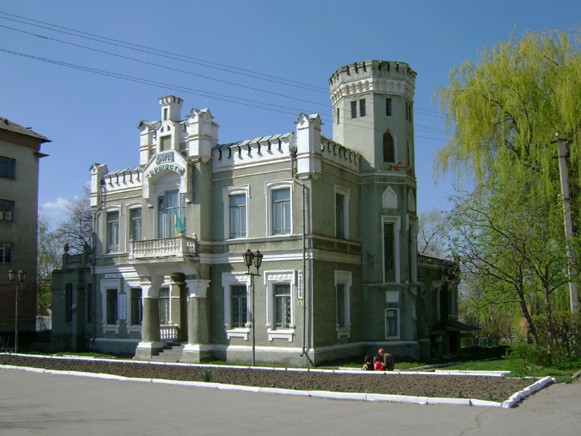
(566, 338)
(525, 355)
(207, 376)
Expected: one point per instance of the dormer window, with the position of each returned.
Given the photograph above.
(165, 143)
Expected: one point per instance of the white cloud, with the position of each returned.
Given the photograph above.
(55, 211)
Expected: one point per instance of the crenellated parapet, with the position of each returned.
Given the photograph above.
(128, 178)
(372, 76)
(261, 150)
(337, 153)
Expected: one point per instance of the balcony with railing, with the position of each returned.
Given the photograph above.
(177, 248)
(75, 261)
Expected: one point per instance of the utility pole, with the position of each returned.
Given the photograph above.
(562, 154)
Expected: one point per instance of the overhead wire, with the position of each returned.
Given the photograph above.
(184, 89)
(228, 98)
(252, 88)
(162, 53)
(175, 56)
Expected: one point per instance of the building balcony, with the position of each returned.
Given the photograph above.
(169, 249)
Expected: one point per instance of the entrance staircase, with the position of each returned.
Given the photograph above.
(171, 353)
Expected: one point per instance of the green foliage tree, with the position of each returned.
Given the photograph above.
(517, 261)
(507, 108)
(48, 259)
(505, 111)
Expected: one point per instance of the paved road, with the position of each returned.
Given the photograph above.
(45, 404)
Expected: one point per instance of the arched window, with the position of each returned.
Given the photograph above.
(388, 148)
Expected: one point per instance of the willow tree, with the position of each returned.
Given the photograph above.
(504, 112)
(506, 109)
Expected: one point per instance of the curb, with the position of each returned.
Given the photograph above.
(511, 402)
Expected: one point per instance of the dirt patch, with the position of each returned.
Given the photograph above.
(435, 386)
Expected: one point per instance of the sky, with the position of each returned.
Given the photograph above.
(85, 73)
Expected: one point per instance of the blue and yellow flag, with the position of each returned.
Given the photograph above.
(179, 225)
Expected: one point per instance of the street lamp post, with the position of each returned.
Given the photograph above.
(21, 276)
(251, 259)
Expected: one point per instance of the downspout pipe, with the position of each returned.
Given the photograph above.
(304, 249)
(101, 199)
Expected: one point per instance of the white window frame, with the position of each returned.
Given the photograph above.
(107, 235)
(346, 201)
(228, 280)
(344, 278)
(129, 226)
(226, 194)
(269, 187)
(162, 142)
(128, 288)
(104, 285)
(272, 278)
(165, 285)
(396, 221)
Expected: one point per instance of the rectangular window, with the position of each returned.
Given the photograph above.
(354, 109)
(282, 306)
(391, 323)
(339, 215)
(388, 107)
(168, 210)
(112, 232)
(338, 116)
(112, 306)
(89, 303)
(281, 212)
(389, 251)
(164, 306)
(7, 167)
(135, 224)
(238, 305)
(362, 111)
(341, 306)
(408, 111)
(6, 252)
(6, 210)
(164, 143)
(238, 216)
(69, 303)
(136, 306)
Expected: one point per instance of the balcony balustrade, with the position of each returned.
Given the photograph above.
(165, 248)
(168, 333)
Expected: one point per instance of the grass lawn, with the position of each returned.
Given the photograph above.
(491, 359)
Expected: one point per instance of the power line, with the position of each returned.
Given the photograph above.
(246, 102)
(179, 57)
(164, 66)
(185, 89)
(162, 53)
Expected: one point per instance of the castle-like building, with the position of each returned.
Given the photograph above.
(333, 222)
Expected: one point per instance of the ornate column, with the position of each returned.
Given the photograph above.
(150, 342)
(198, 327)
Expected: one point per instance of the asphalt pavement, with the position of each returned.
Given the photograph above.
(33, 403)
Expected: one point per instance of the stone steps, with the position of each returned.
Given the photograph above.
(171, 353)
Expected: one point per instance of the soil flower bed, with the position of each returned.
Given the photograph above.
(487, 388)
